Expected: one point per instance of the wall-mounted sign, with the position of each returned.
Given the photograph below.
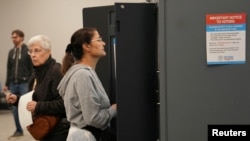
(226, 38)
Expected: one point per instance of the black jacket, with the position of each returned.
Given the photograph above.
(23, 66)
(49, 102)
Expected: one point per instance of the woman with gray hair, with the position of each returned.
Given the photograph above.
(44, 81)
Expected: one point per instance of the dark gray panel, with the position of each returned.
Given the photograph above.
(196, 94)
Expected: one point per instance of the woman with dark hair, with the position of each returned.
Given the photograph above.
(86, 102)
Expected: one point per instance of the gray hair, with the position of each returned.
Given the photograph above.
(42, 40)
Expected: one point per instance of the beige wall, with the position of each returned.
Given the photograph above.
(57, 19)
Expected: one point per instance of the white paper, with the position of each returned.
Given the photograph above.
(25, 116)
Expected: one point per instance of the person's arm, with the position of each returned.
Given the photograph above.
(11, 98)
(7, 82)
(29, 62)
(96, 110)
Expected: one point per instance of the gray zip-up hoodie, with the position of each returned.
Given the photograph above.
(85, 99)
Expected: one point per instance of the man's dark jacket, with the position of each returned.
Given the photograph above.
(21, 71)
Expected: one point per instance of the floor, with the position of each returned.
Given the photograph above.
(7, 127)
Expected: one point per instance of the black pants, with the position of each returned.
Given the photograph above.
(95, 131)
(107, 134)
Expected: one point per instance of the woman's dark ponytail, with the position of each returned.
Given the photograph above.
(68, 59)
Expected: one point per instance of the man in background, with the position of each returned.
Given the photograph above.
(19, 70)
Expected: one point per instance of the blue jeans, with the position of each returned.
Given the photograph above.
(18, 89)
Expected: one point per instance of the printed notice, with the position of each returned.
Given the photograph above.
(226, 38)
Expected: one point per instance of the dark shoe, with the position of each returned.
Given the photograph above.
(16, 134)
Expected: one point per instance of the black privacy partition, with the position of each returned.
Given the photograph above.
(100, 17)
(129, 71)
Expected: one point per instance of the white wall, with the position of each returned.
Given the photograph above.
(57, 19)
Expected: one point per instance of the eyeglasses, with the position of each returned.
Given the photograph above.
(14, 37)
(98, 39)
(35, 51)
